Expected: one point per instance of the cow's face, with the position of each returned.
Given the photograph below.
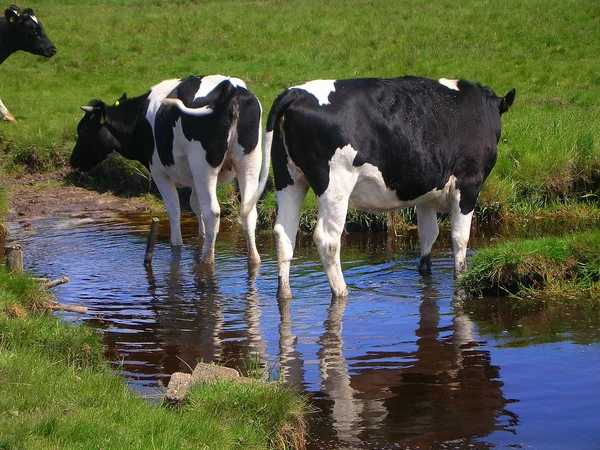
(95, 142)
(28, 33)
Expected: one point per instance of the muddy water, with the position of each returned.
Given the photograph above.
(401, 364)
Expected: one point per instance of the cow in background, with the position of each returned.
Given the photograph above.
(196, 132)
(21, 30)
(380, 145)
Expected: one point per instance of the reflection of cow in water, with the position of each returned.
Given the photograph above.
(186, 321)
(447, 389)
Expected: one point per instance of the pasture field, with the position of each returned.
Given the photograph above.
(546, 49)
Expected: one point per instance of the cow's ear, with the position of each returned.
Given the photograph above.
(12, 13)
(507, 101)
(121, 99)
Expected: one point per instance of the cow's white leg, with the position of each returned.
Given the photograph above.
(289, 203)
(327, 236)
(428, 233)
(460, 228)
(5, 114)
(195, 205)
(248, 171)
(168, 192)
(206, 190)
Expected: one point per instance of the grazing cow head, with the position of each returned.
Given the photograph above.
(23, 31)
(95, 142)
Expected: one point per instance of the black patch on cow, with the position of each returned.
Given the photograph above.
(128, 119)
(415, 130)
(249, 110)
(211, 131)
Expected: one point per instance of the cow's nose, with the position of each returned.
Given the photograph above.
(52, 52)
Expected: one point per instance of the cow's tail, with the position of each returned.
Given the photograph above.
(264, 175)
(219, 97)
(203, 111)
(279, 106)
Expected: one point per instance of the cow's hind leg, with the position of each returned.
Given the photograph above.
(328, 233)
(428, 233)
(460, 229)
(289, 203)
(248, 171)
(205, 185)
(195, 205)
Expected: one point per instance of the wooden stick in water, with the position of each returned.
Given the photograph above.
(151, 241)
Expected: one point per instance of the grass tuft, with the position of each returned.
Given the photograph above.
(559, 266)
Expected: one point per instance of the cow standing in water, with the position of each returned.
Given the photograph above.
(21, 30)
(196, 132)
(380, 145)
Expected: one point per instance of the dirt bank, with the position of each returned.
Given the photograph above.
(38, 195)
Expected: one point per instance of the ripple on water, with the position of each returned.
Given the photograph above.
(399, 364)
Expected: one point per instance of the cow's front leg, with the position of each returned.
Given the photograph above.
(168, 192)
(327, 236)
(428, 233)
(460, 229)
(5, 114)
(289, 203)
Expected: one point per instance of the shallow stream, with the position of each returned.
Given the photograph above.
(400, 364)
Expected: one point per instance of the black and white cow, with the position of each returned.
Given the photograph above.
(380, 145)
(21, 30)
(196, 132)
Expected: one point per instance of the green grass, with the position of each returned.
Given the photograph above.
(45, 404)
(566, 267)
(57, 392)
(547, 50)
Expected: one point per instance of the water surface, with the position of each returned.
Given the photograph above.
(400, 364)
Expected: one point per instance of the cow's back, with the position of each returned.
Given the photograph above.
(177, 133)
(417, 132)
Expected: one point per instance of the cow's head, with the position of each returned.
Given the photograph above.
(27, 33)
(95, 141)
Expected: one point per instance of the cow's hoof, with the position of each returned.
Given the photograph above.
(253, 260)
(253, 269)
(208, 261)
(425, 266)
(284, 291)
(339, 293)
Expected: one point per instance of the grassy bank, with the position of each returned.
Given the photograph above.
(57, 392)
(565, 268)
(549, 153)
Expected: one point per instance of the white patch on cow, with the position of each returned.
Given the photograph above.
(157, 95)
(34, 19)
(342, 174)
(371, 193)
(450, 84)
(320, 89)
(367, 189)
(208, 83)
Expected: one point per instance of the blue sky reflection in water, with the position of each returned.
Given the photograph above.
(400, 364)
